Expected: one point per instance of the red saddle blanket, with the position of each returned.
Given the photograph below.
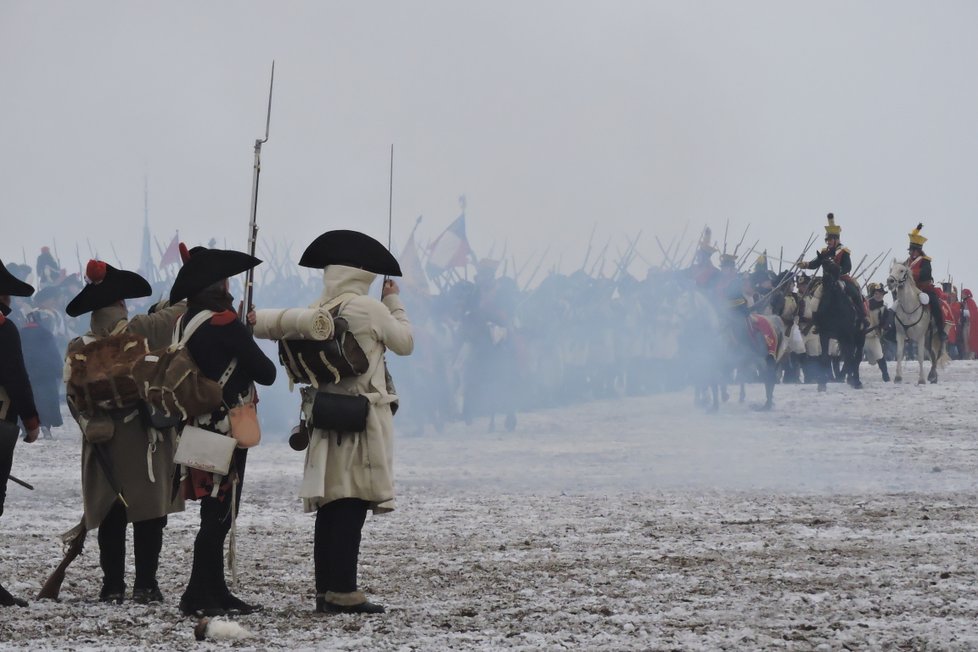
(759, 328)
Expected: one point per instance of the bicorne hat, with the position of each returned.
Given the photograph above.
(105, 286)
(350, 248)
(10, 285)
(208, 266)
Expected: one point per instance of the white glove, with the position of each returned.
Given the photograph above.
(924, 298)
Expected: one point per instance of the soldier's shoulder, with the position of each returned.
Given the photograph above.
(223, 318)
(845, 250)
(927, 258)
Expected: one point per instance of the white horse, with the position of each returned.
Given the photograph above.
(913, 320)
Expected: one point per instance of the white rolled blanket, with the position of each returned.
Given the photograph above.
(294, 324)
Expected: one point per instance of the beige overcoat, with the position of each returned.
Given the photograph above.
(140, 458)
(361, 466)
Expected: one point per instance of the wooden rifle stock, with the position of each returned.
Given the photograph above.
(75, 541)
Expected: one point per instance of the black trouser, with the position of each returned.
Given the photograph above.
(207, 575)
(936, 311)
(147, 542)
(336, 548)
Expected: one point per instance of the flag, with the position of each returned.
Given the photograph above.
(411, 269)
(172, 254)
(451, 248)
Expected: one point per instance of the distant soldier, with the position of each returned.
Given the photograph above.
(878, 315)
(967, 329)
(923, 277)
(45, 366)
(16, 397)
(703, 270)
(834, 251)
(48, 270)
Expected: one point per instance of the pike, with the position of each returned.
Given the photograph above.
(855, 270)
(725, 229)
(249, 290)
(537, 269)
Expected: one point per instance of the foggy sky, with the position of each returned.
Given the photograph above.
(549, 117)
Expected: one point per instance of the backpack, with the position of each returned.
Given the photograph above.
(171, 383)
(315, 362)
(100, 372)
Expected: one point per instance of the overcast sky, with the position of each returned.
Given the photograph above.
(550, 117)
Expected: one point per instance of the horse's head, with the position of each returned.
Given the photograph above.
(899, 275)
(831, 269)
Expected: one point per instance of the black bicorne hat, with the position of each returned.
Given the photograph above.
(208, 266)
(350, 248)
(106, 285)
(13, 286)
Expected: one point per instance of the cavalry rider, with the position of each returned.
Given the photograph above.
(834, 251)
(703, 270)
(923, 277)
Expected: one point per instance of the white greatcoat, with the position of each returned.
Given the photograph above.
(362, 465)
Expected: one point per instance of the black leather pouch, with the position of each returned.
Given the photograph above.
(340, 412)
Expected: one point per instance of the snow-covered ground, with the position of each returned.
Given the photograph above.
(844, 520)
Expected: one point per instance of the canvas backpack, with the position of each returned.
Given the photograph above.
(171, 383)
(100, 372)
(315, 362)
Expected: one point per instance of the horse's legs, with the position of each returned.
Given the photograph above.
(921, 352)
(824, 364)
(900, 340)
(932, 376)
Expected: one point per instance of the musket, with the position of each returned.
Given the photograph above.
(103, 461)
(26, 485)
(536, 270)
(747, 255)
(665, 255)
(590, 241)
(741, 240)
(789, 276)
(74, 542)
(249, 291)
(882, 260)
(116, 254)
(679, 242)
(725, 229)
(855, 270)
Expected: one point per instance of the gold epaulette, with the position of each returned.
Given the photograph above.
(846, 250)
(927, 258)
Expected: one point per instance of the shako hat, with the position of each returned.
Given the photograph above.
(832, 228)
(106, 285)
(917, 240)
(873, 288)
(11, 285)
(205, 267)
(350, 248)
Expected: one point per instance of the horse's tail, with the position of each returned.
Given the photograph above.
(937, 345)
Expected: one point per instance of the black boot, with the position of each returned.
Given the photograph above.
(883, 370)
(147, 542)
(7, 600)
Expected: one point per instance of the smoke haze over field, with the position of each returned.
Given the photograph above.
(549, 117)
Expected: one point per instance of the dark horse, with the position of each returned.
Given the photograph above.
(836, 318)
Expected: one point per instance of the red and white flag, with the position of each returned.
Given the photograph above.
(451, 248)
(172, 254)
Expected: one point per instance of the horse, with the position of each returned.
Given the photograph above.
(913, 321)
(754, 342)
(700, 349)
(836, 318)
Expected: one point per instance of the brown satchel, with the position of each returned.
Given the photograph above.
(101, 376)
(172, 384)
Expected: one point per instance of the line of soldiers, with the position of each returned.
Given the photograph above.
(128, 470)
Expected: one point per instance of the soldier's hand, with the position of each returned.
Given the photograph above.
(31, 435)
(390, 287)
(252, 317)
